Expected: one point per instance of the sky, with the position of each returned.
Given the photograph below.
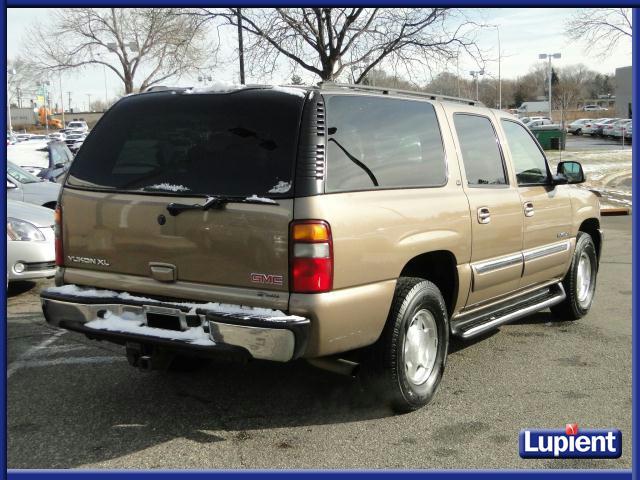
(524, 33)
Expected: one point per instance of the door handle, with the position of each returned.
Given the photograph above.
(528, 209)
(484, 215)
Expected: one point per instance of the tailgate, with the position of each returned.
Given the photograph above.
(241, 245)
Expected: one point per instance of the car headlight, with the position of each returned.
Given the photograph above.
(23, 231)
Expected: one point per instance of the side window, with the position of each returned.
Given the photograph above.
(528, 161)
(480, 151)
(382, 143)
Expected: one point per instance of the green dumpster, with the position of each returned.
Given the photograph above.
(551, 137)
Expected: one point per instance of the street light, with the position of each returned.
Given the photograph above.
(499, 69)
(475, 74)
(544, 56)
(44, 84)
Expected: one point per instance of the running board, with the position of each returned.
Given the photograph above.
(472, 327)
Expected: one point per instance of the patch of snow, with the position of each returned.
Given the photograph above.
(299, 92)
(115, 323)
(224, 308)
(281, 187)
(255, 198)
(216, 87)
(169, 187)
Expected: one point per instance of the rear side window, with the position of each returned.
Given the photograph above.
(238, 144)
(382, 143)
(481, 154)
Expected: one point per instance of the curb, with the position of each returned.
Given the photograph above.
(609, 212)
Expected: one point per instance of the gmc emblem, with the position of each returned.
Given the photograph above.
(268, 279)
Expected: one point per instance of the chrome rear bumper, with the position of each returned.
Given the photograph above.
(278, 339)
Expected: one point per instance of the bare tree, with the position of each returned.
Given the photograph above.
(602, 28)
(330, 42)
(22, 84)
(150, 44)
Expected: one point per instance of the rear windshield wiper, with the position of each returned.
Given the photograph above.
(216, 202)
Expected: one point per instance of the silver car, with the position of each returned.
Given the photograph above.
(30, 242)
(26, 187)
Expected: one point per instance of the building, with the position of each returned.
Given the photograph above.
(23, 117)
(623, 92)
(534, 107)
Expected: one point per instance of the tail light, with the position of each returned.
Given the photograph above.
(311, 257)
(57, 229)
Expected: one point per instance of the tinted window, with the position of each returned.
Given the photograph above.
(382, 143)
(239, 144)
(21, 175)
(480, 151)
(528, 161)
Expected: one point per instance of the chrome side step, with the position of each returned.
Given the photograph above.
(482, 323)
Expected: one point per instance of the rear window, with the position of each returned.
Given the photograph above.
(237, 144)
(383, 143)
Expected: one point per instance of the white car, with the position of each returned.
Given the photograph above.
(618, 129)
(628, 134)
(25, 187)
(528, 120)
(30, 242)
(589, 127)
(576, 126)
(56, 136)
(593, 108)
(79, 125)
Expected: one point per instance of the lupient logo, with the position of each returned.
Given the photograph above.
(268, 279)
(571, 443)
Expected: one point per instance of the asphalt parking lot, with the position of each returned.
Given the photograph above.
(75, 403)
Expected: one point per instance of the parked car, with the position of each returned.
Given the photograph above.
(527, 120)
(30, 242)
(25, 187)
(617, 129)
(73, 138)
(78, 125)
(628, 133)
(576, 126)
(539, 123)
(48, 160)
(593, 108)
(22, 137)
(56, 136)
(397, 236)
(598, 127)
(589, 127)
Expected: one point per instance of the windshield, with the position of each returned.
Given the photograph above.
(236, 144)
(20, 175)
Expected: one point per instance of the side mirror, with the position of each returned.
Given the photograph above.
(572, 171)
(11, 185)
(60, 165)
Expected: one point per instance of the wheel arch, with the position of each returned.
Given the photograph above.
(439, 267)
(592, 227)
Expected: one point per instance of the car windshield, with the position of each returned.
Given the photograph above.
(20, 175)
(241, 143)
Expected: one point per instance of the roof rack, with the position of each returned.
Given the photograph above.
(396, 91)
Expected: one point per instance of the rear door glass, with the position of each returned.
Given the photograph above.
(237, 144)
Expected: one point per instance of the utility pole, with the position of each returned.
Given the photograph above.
(61, 98)
(89, 104)
(240, 45)
(69, 102)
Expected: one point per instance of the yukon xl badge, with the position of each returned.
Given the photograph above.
(89, 260)
(266, 278)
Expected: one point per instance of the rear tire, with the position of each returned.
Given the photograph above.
(580, 281)
(410, 356)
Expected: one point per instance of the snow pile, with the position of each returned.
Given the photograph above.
(216, 87)
(281, 187)
(135, 324)
(168, 187)
(291, 90)
(223, 308)
(255, 198)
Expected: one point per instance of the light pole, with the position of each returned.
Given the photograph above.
(44, 85)
(89, 104)
(104, 73)
(475, 74)
(61, 99)
(499, 69)
(10, 72)
(544, 56)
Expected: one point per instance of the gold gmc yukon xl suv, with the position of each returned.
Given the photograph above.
(349, 226)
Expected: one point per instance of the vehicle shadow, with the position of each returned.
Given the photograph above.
(20, 287)
(104, 412)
